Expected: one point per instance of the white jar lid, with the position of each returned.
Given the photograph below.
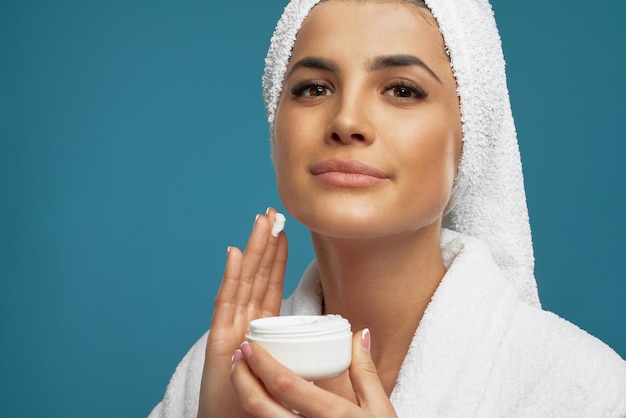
(300, 327)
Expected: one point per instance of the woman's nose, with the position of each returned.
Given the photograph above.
(350, 122)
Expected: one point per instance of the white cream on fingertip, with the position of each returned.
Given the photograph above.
(279, 224)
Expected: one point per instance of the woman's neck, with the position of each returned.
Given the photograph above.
(382, 284)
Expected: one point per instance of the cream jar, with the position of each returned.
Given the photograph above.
(314, 347)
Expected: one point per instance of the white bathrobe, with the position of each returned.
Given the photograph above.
(479, 351)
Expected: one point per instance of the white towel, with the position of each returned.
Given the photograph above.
(488, 200)
(479, 351)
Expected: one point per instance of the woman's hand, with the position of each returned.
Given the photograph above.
(267, 389)
(251, 288)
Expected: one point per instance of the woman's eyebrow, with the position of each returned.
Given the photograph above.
(401, 60)
(315, 63)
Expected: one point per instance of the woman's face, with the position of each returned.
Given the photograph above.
(368, 130)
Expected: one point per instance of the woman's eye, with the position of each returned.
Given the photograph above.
(406, 91)
(316, 91)
(308, 89)
(402, 92)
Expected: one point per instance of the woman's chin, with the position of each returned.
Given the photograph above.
(362, 215)
(353, 225)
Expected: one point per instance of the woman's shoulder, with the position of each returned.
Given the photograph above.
(569, 345)
(542, 362)
(181, 394)
(561, 366)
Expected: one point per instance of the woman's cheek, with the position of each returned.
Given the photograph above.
(284, 177)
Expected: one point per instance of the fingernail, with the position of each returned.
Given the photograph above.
(228, 250)
(236, 356)
(366, 339)
(278, 225)
(246, 350)
(267, 210)
(256, 217)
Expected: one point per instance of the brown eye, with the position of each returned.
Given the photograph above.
(316, 91)
(310, 89)
(405, 90)
(402, 92)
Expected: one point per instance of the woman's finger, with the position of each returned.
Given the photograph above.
(251, 259)
(252, 396)
(263, 271)
(270, 304)
(290, 390)
(227, 294)
(365, 381)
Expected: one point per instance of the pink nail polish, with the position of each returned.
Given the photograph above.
(246, 350)
(366, 339)
(236, 356)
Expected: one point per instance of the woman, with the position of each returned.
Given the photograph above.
(390, 120)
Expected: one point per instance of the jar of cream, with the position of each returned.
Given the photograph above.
(314, 347)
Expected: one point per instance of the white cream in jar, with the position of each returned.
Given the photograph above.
(314, 347)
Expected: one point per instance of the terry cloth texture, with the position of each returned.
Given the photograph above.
(488, 199)
(479, 351)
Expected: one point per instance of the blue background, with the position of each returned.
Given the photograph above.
(133, 151)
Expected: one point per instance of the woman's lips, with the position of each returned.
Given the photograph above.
(347, 173)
